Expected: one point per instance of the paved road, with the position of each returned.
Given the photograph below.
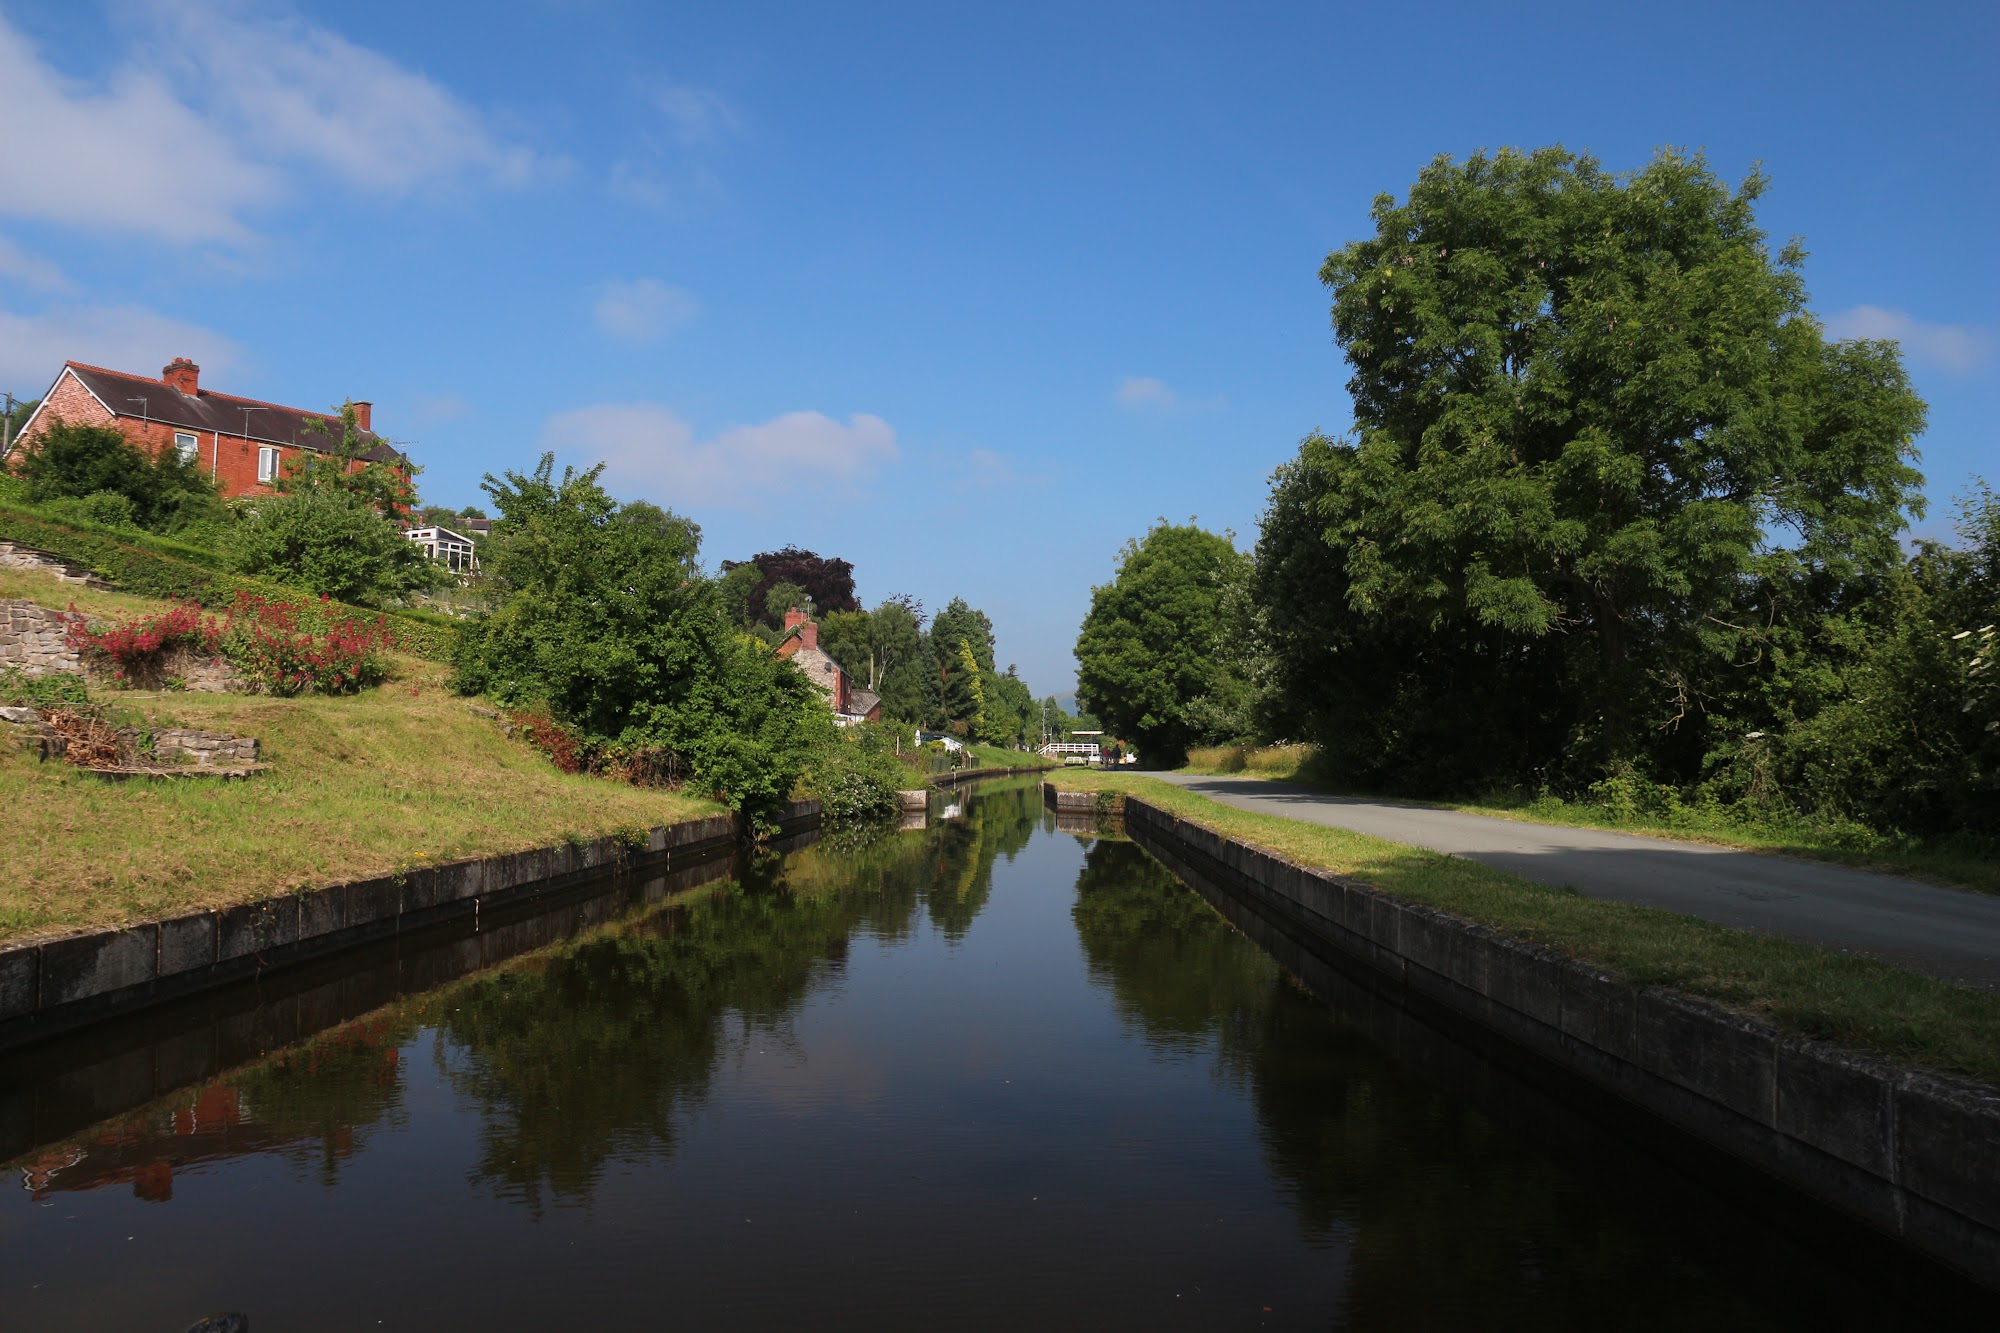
(1948, 933)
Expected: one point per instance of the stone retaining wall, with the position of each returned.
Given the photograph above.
(51, 985)
(17, 556)
(206, 748)
(1913, 1154)
(35, 640)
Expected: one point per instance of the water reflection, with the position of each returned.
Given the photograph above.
(1000, 1071)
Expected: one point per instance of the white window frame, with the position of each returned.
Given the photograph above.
(268, 461)
(188, 445)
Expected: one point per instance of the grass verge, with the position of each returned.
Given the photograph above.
(1964, 863)
(995, 756)
(365, 785)
(1837, 997)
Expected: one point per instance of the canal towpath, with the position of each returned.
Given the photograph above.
(1950, 934)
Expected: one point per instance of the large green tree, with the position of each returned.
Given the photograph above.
(605, 619)
(1592, 411)
(73, 460)
(1162, 654)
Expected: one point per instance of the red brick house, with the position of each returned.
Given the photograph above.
(850, 703)
(241, 443)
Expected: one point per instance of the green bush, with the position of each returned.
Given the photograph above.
(858, 775)
(142, 566)
(106, 509)
(605, 619)
(329, 541)
(79, 462)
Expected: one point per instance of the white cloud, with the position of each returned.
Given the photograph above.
(30, 270)
(85, 155)
(1140, 393)
(643, 309)
(120, 337)
(649, 451)
(1958, 348)
(697, 116)
(297, 91)
(213, 116)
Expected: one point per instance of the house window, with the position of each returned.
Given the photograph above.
(267, 463)
(186, 446)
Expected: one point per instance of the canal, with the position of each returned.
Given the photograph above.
(991, 1073)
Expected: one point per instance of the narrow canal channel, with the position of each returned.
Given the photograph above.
(989, 1074)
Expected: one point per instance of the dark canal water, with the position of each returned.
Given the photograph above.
(991, 1074)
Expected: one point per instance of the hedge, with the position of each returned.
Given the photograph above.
(150, 573)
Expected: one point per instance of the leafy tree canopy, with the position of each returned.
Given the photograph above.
(1161, 654)
(829, 582)
(73, 461)
(338, 465)
(1588, 406)
(606, 620)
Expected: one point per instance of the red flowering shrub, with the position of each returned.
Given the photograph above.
(136, 648)
(553, 739)
(287, 649)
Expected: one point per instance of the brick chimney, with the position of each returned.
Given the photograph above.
(184, 375)
(363, 412)
(796, 619)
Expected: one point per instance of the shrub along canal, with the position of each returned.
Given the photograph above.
(992, 1073)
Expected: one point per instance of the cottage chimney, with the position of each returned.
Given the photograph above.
(363, 412)
(809, 634)
(183, 375)
(793, 619)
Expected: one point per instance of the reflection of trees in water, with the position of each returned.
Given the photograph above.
(1176, 971)
(1447, 1220)
(590, 1052)
(1450, 1220)
(312, 1105)
(948, 868)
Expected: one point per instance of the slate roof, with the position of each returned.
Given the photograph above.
(150, 399)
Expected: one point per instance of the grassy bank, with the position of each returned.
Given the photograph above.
(1839, 997)
(358, 786)
(995, 756)
(1961, 863)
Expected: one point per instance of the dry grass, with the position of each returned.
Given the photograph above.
(1263, 761)
(358, 786)
(1840, 997)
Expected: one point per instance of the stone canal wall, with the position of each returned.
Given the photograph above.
(1913, 1154)
(51, 985)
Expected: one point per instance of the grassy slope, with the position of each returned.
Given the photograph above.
(359, 786)
(1809, 991)
(1948, 862)
(995, 756)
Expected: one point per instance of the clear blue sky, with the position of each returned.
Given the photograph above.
(965, 297)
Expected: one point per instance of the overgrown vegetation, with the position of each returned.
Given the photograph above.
(1617, 526)
(1840, 997)
(606, 621)
(150, 566)
(94, 474)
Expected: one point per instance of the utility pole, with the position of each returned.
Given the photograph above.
(7, 429)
